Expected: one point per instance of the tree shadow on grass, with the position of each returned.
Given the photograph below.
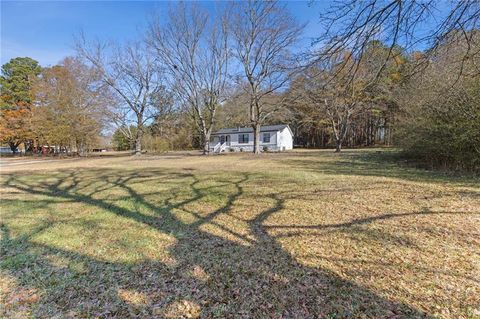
(228, 273)
(385, 163)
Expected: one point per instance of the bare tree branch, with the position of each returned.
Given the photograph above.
(196, 56)
(264, 33)
(131, 73)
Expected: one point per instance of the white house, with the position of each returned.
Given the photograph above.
(272, 138)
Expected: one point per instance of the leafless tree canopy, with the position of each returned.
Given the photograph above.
(194, 51)
(264, 34)
(130, 72)
(352, 24)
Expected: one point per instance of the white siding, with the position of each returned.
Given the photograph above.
(279, 141)
(286, 140)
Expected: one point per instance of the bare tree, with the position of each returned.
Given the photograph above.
(195, 53)
(133, 77)
(334, 97)
(341, 98)
(353, 24)
(264, 32)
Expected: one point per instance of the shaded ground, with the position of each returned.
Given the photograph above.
(295, 235)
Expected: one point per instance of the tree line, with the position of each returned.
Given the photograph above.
(243, 65)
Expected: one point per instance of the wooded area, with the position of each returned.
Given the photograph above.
(355, 86)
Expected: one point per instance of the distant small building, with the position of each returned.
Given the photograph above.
(272, 138)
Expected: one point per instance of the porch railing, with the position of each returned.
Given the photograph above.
(216, 147)
(223, 147)
(219, 147)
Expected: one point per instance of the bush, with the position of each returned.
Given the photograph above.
(155, 144)
(441, 124)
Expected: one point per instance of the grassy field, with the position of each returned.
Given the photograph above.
(308, 234)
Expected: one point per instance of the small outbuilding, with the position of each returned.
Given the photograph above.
(240, 139)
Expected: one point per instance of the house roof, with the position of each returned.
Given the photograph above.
(265, 128)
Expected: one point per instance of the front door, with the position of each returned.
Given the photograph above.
(227, 139)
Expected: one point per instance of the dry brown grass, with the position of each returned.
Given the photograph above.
(297, 235)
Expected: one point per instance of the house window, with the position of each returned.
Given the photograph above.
(242, 138)
(266, 137)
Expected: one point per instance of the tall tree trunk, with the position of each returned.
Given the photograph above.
(391, 125)
(256, 138)
(206, 142)
(138, 142)
(205, 146)
(139, 135)
(337, 135)
(80, 147)
(338, 145)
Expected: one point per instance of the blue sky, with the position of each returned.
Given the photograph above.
(44, 30)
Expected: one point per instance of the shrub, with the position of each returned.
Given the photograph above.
(440, 125)
(155, 144)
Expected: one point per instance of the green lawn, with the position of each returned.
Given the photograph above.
(308, 234)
